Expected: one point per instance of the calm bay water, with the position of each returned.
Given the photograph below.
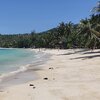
(12, 59)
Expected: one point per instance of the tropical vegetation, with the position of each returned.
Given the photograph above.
(85, 34)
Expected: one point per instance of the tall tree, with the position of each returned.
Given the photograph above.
(96, 9)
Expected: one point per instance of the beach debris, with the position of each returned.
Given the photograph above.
(34, 87)
(51, 68)
(31, 85)
(45, 78)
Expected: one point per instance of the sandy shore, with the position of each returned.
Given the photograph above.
(70, 75)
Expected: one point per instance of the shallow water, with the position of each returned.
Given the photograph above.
(12, 59)
(18, 66)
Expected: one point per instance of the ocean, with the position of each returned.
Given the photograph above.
(14, 59)
(18, 66)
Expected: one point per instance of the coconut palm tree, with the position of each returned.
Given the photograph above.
(96, 9)
(89, 34)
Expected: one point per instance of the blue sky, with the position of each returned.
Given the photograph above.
(22, 16)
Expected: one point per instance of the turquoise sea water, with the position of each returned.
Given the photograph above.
(13, 59)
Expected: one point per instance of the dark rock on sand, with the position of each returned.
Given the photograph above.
(51, 68)
(31, 85)
(34, 87)
(45, 78)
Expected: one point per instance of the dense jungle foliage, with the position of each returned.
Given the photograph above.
(85, 34)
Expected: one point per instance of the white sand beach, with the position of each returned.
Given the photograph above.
(69, 75)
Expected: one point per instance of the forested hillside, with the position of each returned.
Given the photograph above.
(85, 34)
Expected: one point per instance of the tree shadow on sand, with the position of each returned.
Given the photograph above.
(75, 52)
(92, 54)
(86, 52)
(86, 57)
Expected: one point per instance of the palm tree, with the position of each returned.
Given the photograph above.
(89, 34)
(65, 34)
(96, 9)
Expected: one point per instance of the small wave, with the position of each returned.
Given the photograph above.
(38, 60)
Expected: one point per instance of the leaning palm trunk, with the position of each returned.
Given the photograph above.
(96, 37)
(96, 33)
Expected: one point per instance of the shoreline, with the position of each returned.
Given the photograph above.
(15, 77)
(67, 75)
